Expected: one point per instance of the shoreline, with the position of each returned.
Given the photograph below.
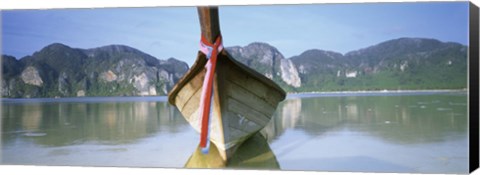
(289, 94)
(87, 99)
(379, 91)
(373, 92)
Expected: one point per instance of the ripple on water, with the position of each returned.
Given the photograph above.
(444, 109)
(457, 104)
(114, 149)
(35, 134)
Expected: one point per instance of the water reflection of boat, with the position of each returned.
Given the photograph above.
(254, 153)
(243, 100)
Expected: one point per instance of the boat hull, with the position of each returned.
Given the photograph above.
(243, 101)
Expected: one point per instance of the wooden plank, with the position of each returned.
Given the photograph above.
(243, 123)
(217, 118)
(237, 107)
(190, 88)
(192, 104)
(270, 95)
(221, 95)
(253, 102)
(197, 67)
(237, 91)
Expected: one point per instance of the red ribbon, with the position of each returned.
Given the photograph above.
(211, 51)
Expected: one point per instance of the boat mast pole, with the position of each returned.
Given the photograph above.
(209, 22)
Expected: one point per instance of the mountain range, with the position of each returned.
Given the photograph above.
(399, 64)
(61, 71)
(58, 70)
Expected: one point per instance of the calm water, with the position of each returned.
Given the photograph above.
(380, 132)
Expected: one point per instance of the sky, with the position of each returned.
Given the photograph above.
(166, 32)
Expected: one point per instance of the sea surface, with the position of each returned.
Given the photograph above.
(401, 132)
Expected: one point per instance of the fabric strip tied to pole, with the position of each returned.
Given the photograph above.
(211, 51)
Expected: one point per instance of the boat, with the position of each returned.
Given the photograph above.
(242, 100)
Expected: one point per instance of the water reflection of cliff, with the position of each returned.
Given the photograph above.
(406, 119)
(287, 116)
(68, 123)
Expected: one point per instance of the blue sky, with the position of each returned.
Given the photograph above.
(166, 32)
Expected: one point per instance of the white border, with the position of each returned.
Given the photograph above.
(55, 4)
(54, 170)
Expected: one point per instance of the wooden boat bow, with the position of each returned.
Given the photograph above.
(242, 100)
